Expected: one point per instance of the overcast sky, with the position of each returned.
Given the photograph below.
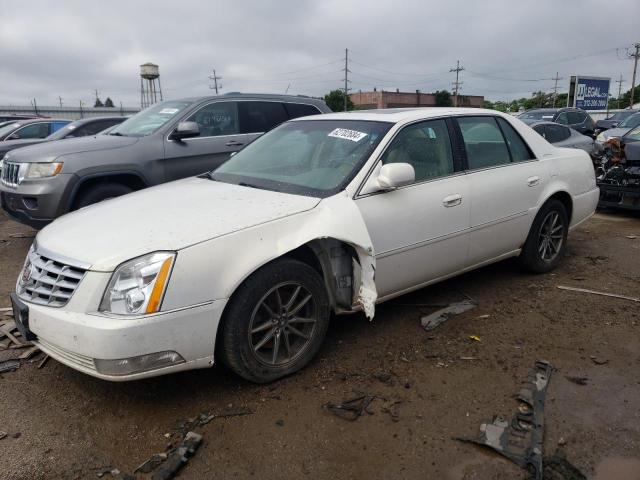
(70, 48)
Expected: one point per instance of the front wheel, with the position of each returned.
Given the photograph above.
(275, 323)
(547, 238)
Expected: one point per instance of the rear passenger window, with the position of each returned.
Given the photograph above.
(425, 146)
(519, 150)
(295, 110)
(259, 117)
(483, 142)
(557, 133)
(35, 130)
(576, 117)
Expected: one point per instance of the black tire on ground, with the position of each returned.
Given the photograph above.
(552, 223)
(98, 193)
(265, 304)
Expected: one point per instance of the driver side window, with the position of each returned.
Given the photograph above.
(563, 119)
(217, 119)
(425, 146)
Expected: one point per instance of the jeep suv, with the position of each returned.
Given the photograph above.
(575, 118)
(167, 141)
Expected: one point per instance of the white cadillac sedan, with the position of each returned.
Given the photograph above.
(324, 214)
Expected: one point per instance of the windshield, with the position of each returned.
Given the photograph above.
(64, 131)
(631, 122)
(633, 135)
(149, 120)
(536, 115)
(308, 157)
(8, 128)
(620, 116)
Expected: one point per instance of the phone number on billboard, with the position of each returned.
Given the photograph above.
(594, 103)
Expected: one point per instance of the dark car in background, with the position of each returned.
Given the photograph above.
(167, 141)
(614, 120)
(563, 136)
(14, 117)
(574, 118)
(33, 128)
(79, 128)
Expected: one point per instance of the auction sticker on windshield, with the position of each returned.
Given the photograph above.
(347, 134)
(169, 111)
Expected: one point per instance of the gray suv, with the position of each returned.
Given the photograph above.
(167, 141)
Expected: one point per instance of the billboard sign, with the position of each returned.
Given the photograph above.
(589, 93)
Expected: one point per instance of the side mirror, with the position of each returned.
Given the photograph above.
(394, 175)
(185, 130)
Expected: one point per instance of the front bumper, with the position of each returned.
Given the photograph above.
(76, 339)
(37, 202)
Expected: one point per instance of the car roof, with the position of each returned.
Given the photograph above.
(38, 120)
(395, 115)
(82, 121)
(255, 96)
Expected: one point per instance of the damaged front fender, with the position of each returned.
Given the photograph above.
(214, 269)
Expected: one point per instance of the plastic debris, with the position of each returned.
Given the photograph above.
(577, 380)
(431, 321)
(475, 338)
(9, 365)
(520, 440)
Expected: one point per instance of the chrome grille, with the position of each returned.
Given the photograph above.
(47, 282)
(10, 175)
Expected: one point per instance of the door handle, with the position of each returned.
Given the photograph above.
(452, 200)
(533, 181)
(234, 143)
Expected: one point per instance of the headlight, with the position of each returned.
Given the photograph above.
(600, 137)
(137, 287)
(42, 170)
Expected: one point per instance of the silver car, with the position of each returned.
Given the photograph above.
(562, 136)
(623, 127)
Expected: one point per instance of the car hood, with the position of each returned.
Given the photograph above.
(171, 216)
(614, 132)
(13, 144)
(606, 123)
(50, 151)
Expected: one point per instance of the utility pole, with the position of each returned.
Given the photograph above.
(35, 106)
(215, 79)
(60, 100)
(555, 89)
(457, 84)
(635, 57)
(619, 82)
(81, 115)
(96, 90)
(346, 77)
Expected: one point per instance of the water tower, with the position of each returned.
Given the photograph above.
(149, 84)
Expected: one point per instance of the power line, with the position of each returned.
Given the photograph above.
(457, 84)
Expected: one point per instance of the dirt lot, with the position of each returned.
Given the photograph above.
(63, 424)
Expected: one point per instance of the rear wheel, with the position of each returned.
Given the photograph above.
(98, 193)
(275, 323)
(547, 239)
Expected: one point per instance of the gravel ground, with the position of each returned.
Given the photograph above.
(431, 387)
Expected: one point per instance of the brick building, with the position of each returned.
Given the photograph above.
(397, 99)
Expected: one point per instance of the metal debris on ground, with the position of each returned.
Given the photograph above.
(595, 292)
(151, 464)
(431, 321)
(520, 440)
(353, 408)
(23, 235)
(9, 365)
(178, 457)
(599, 361)
(632, 237)
(3, 435)
(475, 338)
(577, 380)
(205, 418)
(43, 362)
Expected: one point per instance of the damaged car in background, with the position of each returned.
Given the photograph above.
(618, 172)
(322, 215)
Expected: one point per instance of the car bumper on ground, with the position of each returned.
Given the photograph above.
(36, 202)
(95, 344)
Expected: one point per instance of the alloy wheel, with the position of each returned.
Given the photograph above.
(551, 236)
(282, 324)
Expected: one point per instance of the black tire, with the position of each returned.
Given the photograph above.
(98, 193)
(537, 258)
(246, 309)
